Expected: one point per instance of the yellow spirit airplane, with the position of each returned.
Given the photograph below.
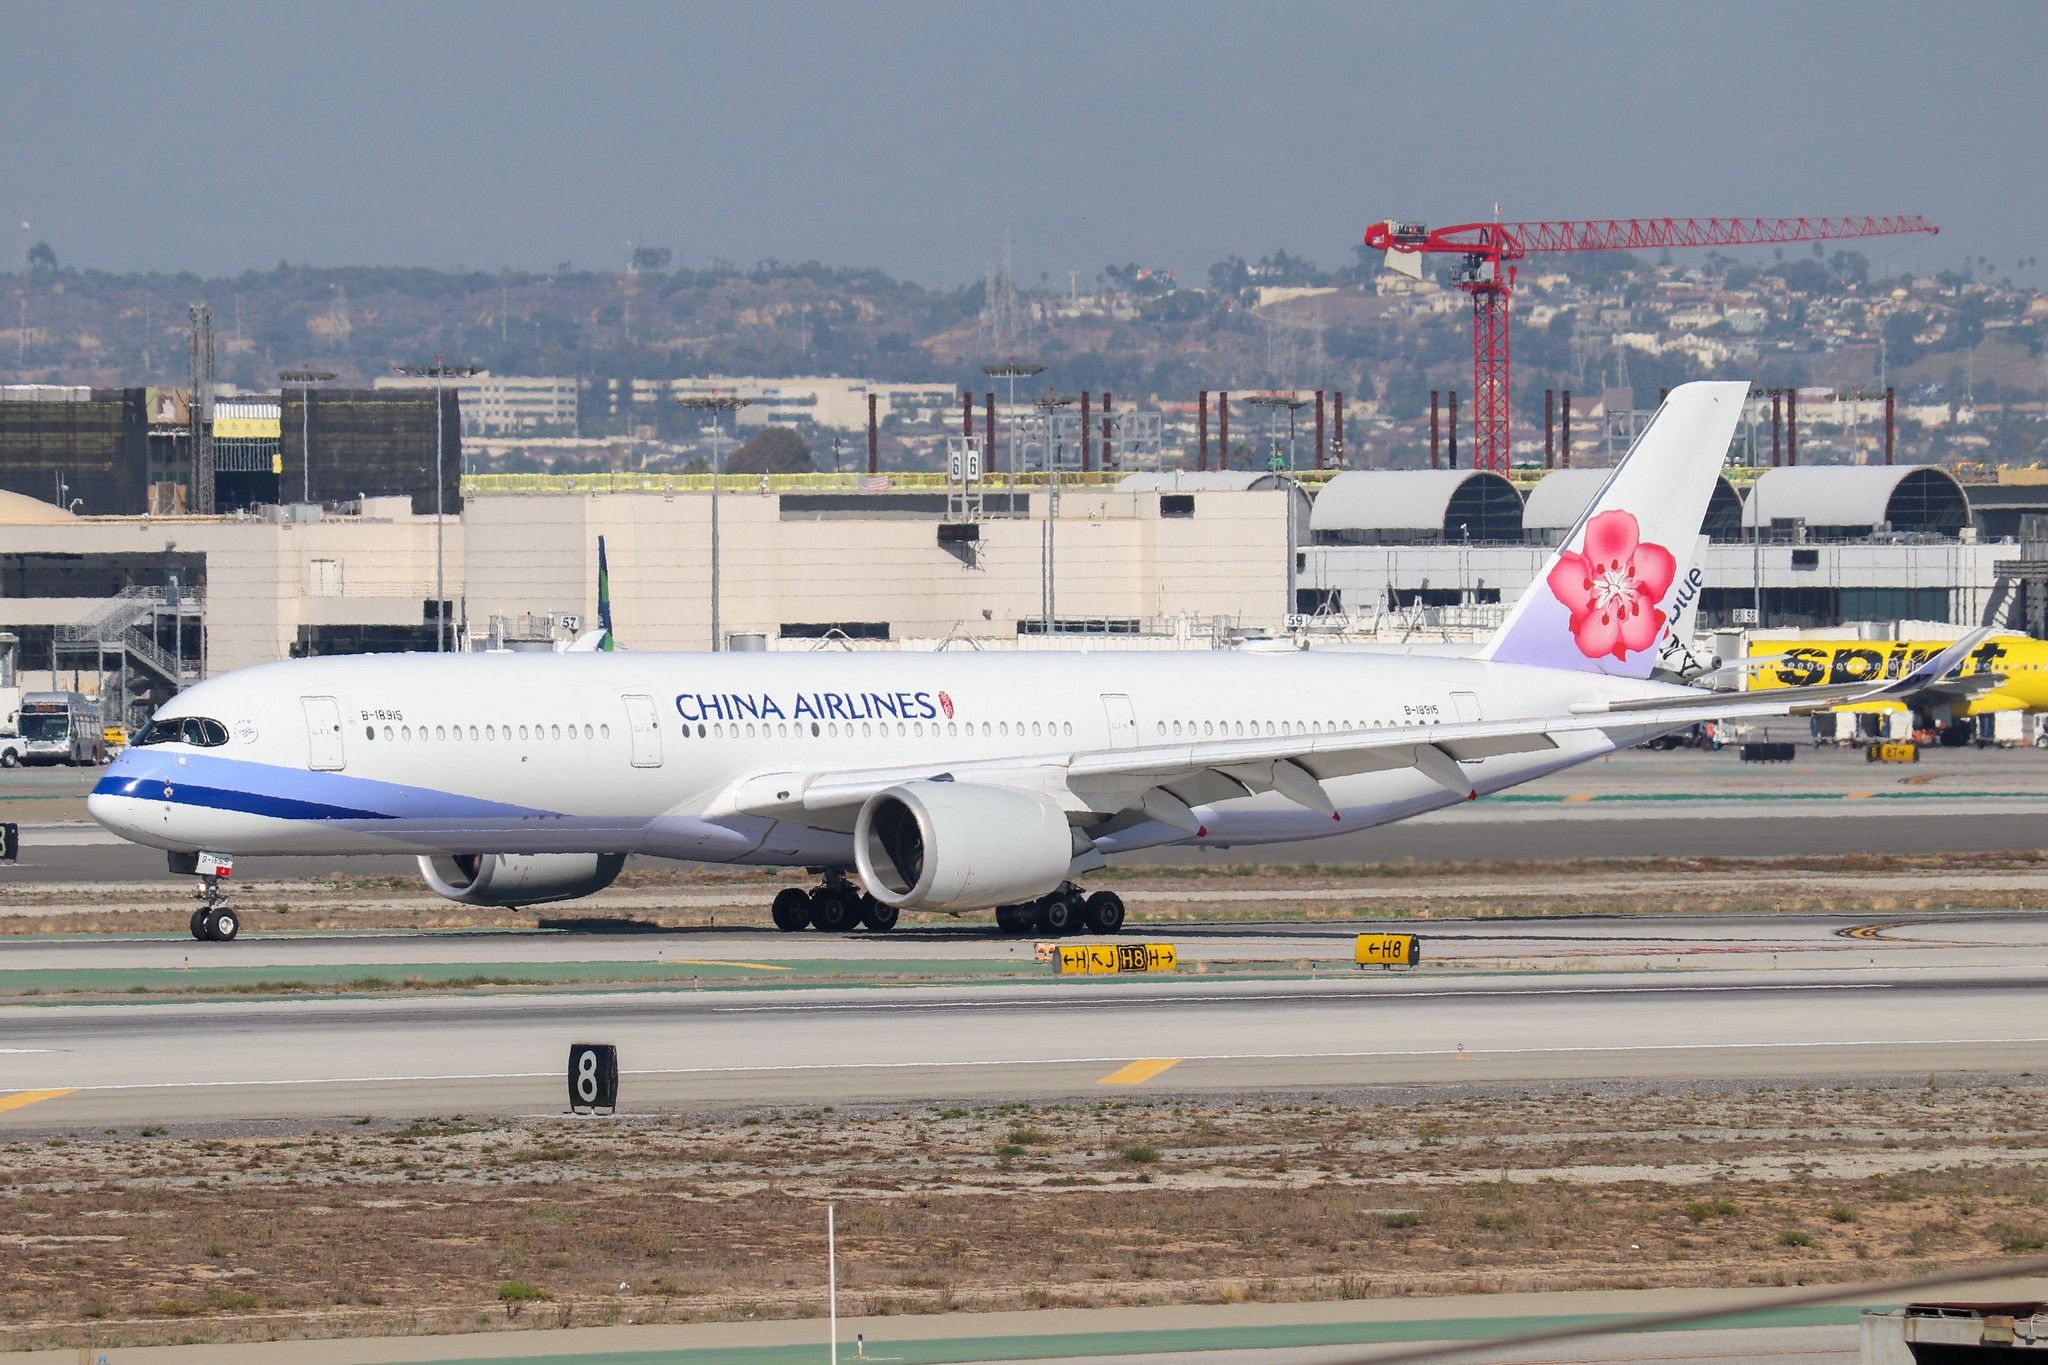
(2004, 673)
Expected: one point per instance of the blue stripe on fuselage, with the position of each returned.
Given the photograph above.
(183, 777)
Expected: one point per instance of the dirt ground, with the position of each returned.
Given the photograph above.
(691, 897)
(456, 1224)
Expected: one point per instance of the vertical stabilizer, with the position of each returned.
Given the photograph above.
(1605, 599)
(604, 599)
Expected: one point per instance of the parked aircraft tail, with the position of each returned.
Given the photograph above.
(604, 600)
(1607, 597)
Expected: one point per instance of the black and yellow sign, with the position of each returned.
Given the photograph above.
(1109, 959)
(1388, 950)
(1893, 751)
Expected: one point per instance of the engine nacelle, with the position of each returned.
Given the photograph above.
(960, 846)
(513, 879)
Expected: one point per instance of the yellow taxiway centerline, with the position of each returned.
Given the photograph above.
(22, 1099)
(710, 962)
(1140, 1071)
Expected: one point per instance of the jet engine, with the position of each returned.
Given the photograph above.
(960, 846)
(514, 879)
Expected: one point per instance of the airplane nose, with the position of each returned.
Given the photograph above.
(107, 810)
(114, 800)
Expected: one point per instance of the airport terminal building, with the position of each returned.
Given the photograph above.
(1154, 560)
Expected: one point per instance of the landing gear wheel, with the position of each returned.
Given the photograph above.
(1057, 916)
(222, 925)
(199, 925)
(879, 916)
(791, 910)
(1013, 919)
(1104, 913)
(832, 910)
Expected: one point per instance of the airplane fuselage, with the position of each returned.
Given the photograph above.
(641, 753)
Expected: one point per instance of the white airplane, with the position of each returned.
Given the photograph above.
(943, 781)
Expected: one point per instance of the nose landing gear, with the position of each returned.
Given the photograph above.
(213, 921)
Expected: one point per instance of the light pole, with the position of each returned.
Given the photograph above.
(439, 371)
(711, 405)
(306, 379)
(1049, 405)
(1012, 370)
(1293, 403)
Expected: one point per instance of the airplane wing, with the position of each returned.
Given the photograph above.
(1165, 780)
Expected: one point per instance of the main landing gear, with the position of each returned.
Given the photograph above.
(835, 907)
(1068, 910)
(213, 921)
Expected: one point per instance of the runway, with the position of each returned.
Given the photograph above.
(220, 1063)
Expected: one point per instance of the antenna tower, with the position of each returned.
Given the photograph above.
(1002, 313)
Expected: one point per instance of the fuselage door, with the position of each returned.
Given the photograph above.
(324, 752)
(1123, 721)
(1465, 705)
(645, 730)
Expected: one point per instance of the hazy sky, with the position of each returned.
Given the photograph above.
(213, 137)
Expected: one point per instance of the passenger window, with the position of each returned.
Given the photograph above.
(369, 732)
(405, 732)
(605, 732)
(1067, 729)
(440, 732)
(522, 732)
(814, 729)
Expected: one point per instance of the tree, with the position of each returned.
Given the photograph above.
(42, 259)
(777, 450)
(652, 259)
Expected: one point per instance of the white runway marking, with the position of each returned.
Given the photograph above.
(1332, 995)
(554, 1073)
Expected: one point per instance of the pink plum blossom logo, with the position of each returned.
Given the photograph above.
(1612, 585)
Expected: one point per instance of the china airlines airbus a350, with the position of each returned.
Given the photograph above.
(942, 781)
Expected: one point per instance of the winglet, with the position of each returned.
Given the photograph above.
(1936, 668)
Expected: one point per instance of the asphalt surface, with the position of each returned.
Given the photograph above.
(1918, 941)
(1676, 829)
(1681, 803)
(310, 1059)
(1224, 1334)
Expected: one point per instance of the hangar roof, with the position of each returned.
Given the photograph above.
(1456, 504)
(1560, 497)
(1905, 497)
(18, 509)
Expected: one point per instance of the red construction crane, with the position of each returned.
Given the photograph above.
(1488, 275)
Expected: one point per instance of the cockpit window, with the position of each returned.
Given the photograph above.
(197, 731)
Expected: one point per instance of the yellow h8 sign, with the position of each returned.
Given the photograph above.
(1388, 950)
(1109, 959)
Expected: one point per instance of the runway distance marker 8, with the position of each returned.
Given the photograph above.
(593, 1077)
